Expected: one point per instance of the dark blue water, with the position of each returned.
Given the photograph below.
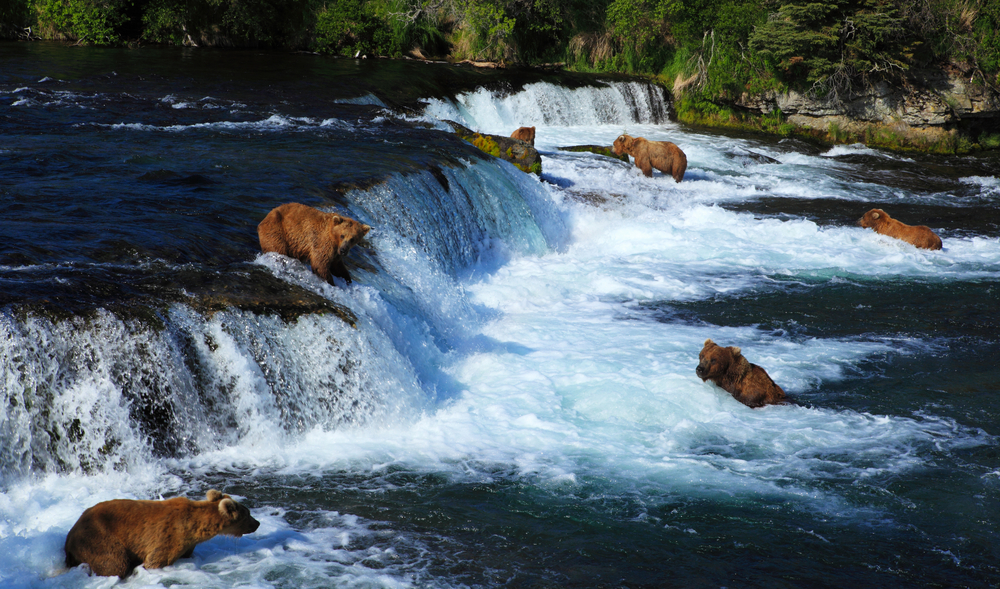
(506, 394)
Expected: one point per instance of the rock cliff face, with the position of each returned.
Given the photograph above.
(930, 102)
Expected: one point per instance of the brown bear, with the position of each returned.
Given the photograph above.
(662, 155)
(320, 239)
(747, 383)
(918, 235)
(526, 134)
(114, 537)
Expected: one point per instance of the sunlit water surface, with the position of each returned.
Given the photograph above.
(517, 404)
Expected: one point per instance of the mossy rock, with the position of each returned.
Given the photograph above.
(598, 149)
(520, 153)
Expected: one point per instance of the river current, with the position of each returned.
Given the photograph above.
(506, 393)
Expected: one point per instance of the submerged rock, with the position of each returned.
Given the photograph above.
(749, 158)
(515, 151)
(598, 149)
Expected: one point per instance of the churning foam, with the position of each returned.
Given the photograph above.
(507, 332)
(545, 105)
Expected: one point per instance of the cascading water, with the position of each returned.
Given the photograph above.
(506, 395)
(616, 103)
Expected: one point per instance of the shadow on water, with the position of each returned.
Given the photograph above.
(841, 308)
(946, 221)
(302, 81)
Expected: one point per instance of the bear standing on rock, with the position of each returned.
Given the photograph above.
(526, 134)
(747, 383)
(114, 537)
(662, 155)
(918, 235)
(320, 239)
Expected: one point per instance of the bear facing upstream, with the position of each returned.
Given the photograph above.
(918, 235)
(662, 155)
(317, 238)
(526, 134)
(747, 383)
(114, 537)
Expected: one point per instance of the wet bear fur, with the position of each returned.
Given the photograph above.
(526, 134)
(312, 236)
(114, 537)
(662, 155)
(918, 235)
(747, 383)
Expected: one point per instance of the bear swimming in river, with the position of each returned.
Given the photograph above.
(526, 134)
(114, 537)
(320, 239)
(662, 155)
(918, 235)
(747, 383)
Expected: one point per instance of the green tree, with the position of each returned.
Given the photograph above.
(86, 21)
(832, 46)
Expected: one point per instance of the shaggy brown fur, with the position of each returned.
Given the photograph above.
(662, 155)
(919, 235)
(318, 238)
(526, 134)
(116, 536)
(747, 383)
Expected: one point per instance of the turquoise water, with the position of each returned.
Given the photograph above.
(517, 404)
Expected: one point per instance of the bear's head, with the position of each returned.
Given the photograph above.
(623, 144)
(236, 518)
(715, 361)
(346, 232)
(874, 218)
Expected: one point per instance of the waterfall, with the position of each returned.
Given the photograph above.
(100, 391)
(615, 103)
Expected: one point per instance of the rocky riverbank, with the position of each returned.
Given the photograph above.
(934, 110)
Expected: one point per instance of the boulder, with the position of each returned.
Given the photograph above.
(521, 154)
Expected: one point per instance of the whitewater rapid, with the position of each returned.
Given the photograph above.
(516, 336)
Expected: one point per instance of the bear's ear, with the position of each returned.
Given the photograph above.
(735, 350)
(337, 219)
(365, 229)
(875, 215)
(709, 342)
(213, 495)
(228, 508)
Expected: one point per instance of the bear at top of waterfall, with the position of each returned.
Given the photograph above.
(113, 537)
(918, 235)
(320, 239)
(729, 369)
(526, 134)
(662, 155)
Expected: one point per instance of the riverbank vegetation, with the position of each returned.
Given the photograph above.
(710, 52)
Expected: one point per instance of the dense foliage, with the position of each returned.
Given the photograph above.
(718, 46)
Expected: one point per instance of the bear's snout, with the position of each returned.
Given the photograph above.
(250, 526)
(701, 371)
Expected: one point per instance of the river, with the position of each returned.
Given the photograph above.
(506, 394)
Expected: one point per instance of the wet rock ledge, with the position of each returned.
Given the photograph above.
(144, 296)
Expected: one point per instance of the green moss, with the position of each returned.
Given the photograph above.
(486, 144)
(535, 168)
(989, 141)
